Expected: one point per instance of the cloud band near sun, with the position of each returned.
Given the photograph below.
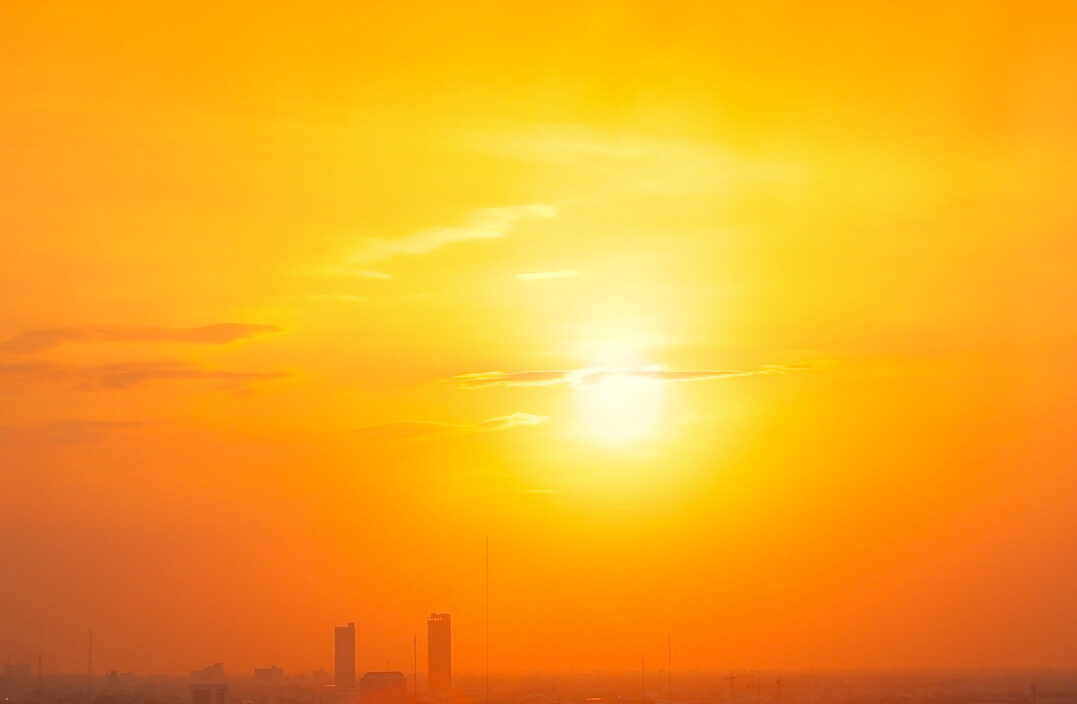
(416, 429)
(216, 334)
(585, 376)
(483, 224)
(547, 275)
(128, 375)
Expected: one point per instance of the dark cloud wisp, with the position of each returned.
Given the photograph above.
(67, 432)
(418, 429)
(582, 377)
(125, 375)
(215, 334)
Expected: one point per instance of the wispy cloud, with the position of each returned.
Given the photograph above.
(346, 297)
(125, 375)
(417, 429)
(216, 334)
(514, 420)
(639, 162)
(575, 145)
(484, 224)
(69, 432)
(478, 380)
(593, 375)
(544, 275)
(372, 274)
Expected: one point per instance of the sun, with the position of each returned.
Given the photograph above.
(617, 406)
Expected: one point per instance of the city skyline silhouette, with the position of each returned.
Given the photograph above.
(493, 352)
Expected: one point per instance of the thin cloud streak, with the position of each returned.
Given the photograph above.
(126, 375)
(546, 275)
(484, 224)
(62, 433)
(47, 338)
(642, 162)
(417, 429)
(582, 377)
(337, 297)
(477, 380)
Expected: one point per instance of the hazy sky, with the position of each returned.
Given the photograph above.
(299, 302)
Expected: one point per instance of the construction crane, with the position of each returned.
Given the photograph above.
(732, 677)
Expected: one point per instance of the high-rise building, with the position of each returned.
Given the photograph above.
(17, 671)
(344, 650)
(439, 653)
(209, 685)
(383, 688)
(269, 676)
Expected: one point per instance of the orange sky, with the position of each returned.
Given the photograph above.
(302, 301)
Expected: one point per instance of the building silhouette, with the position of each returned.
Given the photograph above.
(17, 670)
(269, 676)
(208, 685)
(344, 653)
(383, 688)
(439, 653)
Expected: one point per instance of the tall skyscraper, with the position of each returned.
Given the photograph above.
(439, 653)
(383, 688)
(209, 685)
(344, 649)
(269, 676)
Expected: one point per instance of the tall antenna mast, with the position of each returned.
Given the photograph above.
(642, 677)
(669, 668)
(487, 619)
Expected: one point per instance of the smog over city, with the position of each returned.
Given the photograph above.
(506, 352)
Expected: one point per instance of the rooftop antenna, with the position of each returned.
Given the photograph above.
(669, 668)
(642, 677)
(487, 619)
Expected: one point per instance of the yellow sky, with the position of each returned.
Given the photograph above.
(301, 302)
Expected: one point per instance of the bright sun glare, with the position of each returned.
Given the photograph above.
(619, 406)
